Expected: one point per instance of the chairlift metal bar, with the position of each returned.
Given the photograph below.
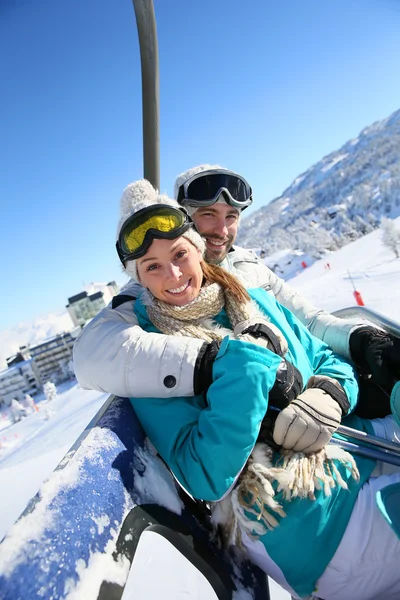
(147, 32)
(371, 316)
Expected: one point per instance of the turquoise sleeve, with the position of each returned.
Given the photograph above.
(326, 362)
(207, 441)
(320, 357)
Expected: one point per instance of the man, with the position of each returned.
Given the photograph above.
(113, 354)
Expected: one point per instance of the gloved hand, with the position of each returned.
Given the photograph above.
(376, 353)
(203, 377)
(308, 423)
(288, 385)
(262, 333)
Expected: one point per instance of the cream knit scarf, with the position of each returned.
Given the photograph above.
(266, 472)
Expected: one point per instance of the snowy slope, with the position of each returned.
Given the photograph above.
(372, 267)
(31, 449)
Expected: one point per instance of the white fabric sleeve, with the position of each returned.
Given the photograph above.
(330, 329)
(113, 354)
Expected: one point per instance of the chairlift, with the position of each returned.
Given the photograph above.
(111, 517)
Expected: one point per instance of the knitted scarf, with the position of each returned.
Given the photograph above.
(266, 472)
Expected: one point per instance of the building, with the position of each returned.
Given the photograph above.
(52, 357)
(17, 380)
(84, 306)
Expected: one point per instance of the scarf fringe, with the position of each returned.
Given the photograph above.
(294, 474)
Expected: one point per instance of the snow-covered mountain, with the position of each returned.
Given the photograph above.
(339, 199)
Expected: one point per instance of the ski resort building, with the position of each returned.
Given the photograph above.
(32, 366)
(52, 357)
(84, 306)
(17, 380)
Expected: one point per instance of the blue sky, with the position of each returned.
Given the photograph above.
(265, 88)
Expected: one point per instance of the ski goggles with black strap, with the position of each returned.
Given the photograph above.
(204, 188)
(158, 221)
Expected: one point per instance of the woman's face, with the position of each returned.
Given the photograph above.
(171, 270)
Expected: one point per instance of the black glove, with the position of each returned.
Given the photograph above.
(373, 402)
(269, 333)
(376, 353)
(288, 385)
(203, 378)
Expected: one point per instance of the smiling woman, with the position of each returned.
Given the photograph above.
(172, 271)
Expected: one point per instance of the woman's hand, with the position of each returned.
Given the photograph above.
(308, 423)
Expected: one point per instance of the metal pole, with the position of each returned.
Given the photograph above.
(146, 26)
(367, 438)
(368, 451)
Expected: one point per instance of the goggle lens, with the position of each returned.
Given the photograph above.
(133, 236)
(207, 187)
(139, 230)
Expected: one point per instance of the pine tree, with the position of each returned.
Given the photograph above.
(390, 236)
(50, 391)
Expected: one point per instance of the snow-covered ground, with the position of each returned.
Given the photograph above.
(32, 448)
(374, 270)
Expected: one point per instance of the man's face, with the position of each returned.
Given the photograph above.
(218, 224)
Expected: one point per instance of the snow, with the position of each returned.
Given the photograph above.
(166, 561)
(32, 448)
(373, 269)
(333, 162)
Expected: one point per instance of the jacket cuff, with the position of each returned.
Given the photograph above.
(333, 388)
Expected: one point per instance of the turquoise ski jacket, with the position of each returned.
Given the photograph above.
(206, 441)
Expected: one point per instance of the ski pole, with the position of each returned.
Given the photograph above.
(371, 446)
(367, 438)
(368, 452)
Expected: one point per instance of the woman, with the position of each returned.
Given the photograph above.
(297, 510)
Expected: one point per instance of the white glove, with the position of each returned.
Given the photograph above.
(307, 424)
(263, 333)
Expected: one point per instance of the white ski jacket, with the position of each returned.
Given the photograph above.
(113, 354)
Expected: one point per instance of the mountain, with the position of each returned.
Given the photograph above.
(339, 199)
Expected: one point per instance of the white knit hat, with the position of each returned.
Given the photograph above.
(141, 194)
(183, 177)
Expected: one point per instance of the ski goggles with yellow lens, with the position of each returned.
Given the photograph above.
(204, 189)
(157, 221)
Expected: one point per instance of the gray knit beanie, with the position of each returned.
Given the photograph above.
(141, 194)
